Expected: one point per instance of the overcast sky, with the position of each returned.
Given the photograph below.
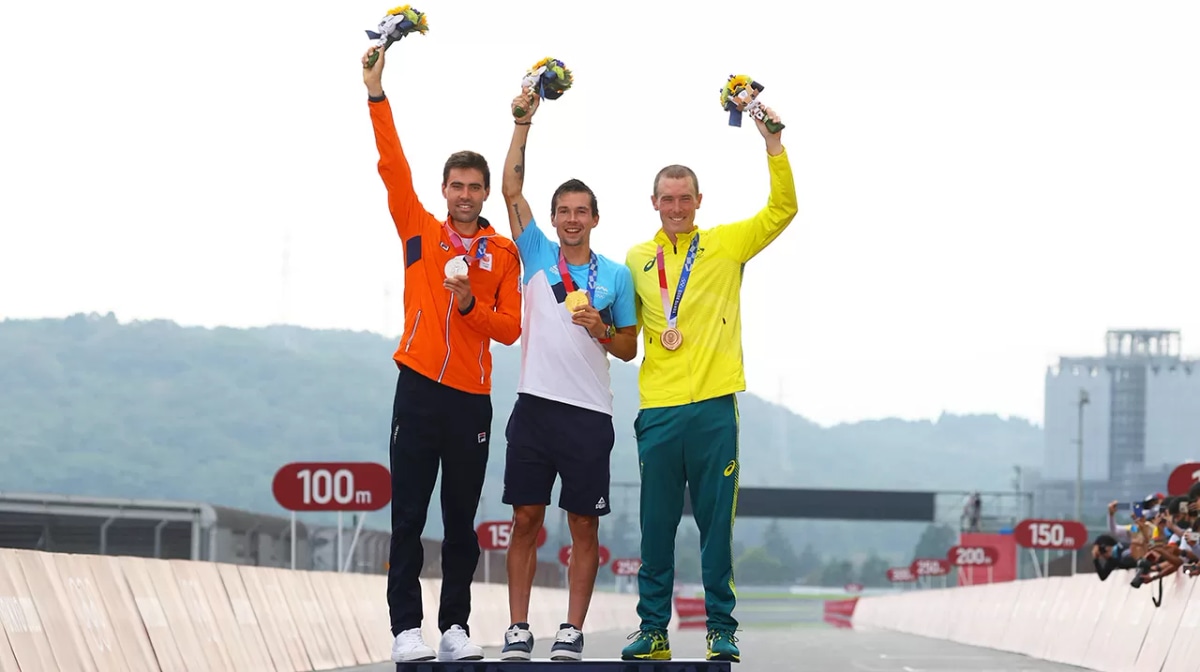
(983, 186)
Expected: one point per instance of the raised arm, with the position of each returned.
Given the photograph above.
(513, 181)
(750, 236)
(403, 204)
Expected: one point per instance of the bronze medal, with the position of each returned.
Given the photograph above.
(671, 339)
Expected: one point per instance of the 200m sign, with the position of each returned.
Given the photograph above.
(333, 486)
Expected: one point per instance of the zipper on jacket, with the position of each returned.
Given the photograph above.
(416, 323)
(482, 375)
(447, 360)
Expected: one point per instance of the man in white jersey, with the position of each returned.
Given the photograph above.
(579, 307)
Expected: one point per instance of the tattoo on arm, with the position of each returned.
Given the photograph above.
(519, 169)
(513, 185)
(517, 226)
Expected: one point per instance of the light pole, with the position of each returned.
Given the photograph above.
(1083, 400)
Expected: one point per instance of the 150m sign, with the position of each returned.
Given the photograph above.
(1053, 534)
(333, 486)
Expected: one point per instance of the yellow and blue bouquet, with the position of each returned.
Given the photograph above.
(740, 95)
(397, 24)
(549, 77)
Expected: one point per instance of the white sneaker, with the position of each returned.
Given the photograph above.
(456, 645)
(409, 646)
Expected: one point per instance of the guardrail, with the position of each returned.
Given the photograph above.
(94, 613)
(1077, 620)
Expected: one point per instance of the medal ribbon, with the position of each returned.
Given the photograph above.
(569, 284)
(456, 241)
(671, 312)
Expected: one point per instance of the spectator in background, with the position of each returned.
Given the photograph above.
(1160, 559)
(972, 510)
(1179, 517)
(1119, 532)
(1189, 548)
(1109, 554)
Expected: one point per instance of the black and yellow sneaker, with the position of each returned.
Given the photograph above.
(648, 645)
(722, 646)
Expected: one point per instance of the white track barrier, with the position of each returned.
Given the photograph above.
(1107, 626)
(91, 613)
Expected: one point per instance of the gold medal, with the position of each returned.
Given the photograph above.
(671, 339)
(576, 300)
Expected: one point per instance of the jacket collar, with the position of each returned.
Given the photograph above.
(485, 227)
(681, 239)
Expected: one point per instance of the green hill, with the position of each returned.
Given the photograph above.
(151, 409)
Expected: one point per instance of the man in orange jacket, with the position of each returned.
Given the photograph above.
(461, 291)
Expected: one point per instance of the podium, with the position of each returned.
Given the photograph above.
(546, 665)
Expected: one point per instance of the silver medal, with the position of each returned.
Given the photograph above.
(455, 267)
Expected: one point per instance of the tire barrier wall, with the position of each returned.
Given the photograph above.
(103, 613)
(1075, 620)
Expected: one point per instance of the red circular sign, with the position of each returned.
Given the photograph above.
(332, 486)
(930, 567)
(494, 535)
(1183, 478)
(901, 575)
(971, 556)
(564, 555)
(626, 566)
(1054, 534)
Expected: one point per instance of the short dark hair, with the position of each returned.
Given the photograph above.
(1105, 540)
(677, 171)
(1194, 492)
(468, 159)
(574, 186)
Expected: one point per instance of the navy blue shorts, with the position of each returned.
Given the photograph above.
(548, 439)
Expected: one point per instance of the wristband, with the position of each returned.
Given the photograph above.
(609, 332)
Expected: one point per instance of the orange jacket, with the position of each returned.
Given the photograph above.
(439, 342)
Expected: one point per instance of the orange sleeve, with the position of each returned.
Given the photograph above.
(407, 211)
(504, 323)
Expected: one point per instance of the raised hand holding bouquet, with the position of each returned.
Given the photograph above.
(397, 24)
(549, 78)
(739, 96)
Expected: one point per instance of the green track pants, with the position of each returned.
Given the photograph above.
(697, 445)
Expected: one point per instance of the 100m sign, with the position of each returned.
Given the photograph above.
(333, 486)
(320, 486)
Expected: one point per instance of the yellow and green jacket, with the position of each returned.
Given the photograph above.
(709, 362)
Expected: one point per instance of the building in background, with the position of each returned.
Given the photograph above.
(1141, 419)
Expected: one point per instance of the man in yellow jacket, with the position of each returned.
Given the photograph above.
(688, 284)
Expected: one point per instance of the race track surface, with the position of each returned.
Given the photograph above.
(817, 648)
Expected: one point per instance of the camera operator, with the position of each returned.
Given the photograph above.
(1109, 554)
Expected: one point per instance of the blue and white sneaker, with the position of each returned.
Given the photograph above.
(568, 645)
(518, 643)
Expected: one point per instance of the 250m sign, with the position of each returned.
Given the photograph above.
(333, 486)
